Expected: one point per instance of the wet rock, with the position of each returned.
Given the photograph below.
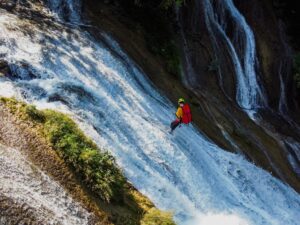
(4, 68)
(12, 212)
(213, 111)
(21, 71)
(8, 5)
(3, 64)
(58, 98)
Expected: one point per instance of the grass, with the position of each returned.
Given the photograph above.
(156, 217)
(96, 167)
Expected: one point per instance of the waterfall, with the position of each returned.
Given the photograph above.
(229, 28)
(282, 107)
(68, 10)
(66, 69)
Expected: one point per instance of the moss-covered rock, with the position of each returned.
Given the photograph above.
(95, 168)
(156, 217)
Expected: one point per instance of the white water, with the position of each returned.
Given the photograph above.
(294, 154)
(65, 9)
(282, 108)
(241, 48)
(25, 184)
(119, 108)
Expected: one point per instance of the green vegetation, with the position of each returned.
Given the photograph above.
(156, 20)
(166, 4)
(156, 217)
(297, 70)
(167, 50)
(97, 168)
(34, 114)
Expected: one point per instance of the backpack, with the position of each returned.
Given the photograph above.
(187, 115)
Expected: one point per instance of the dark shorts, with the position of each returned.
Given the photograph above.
(174, 124)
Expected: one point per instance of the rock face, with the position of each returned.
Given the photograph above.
(29, 161)
(274, 54)
(201, 56)
(4, 68)
(219, 52)
(209, 81)
(273, 69)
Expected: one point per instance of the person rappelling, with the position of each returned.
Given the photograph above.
(183, 114)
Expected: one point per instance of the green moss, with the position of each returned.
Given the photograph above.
(97, 168)
(35, 114)
(11, 103)
(156, 217)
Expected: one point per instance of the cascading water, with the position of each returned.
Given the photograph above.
(228, 27)
(68, 10)
(115, 104)
(33, 190)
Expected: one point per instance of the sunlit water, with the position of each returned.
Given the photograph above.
(118, 107)
(228, 27)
